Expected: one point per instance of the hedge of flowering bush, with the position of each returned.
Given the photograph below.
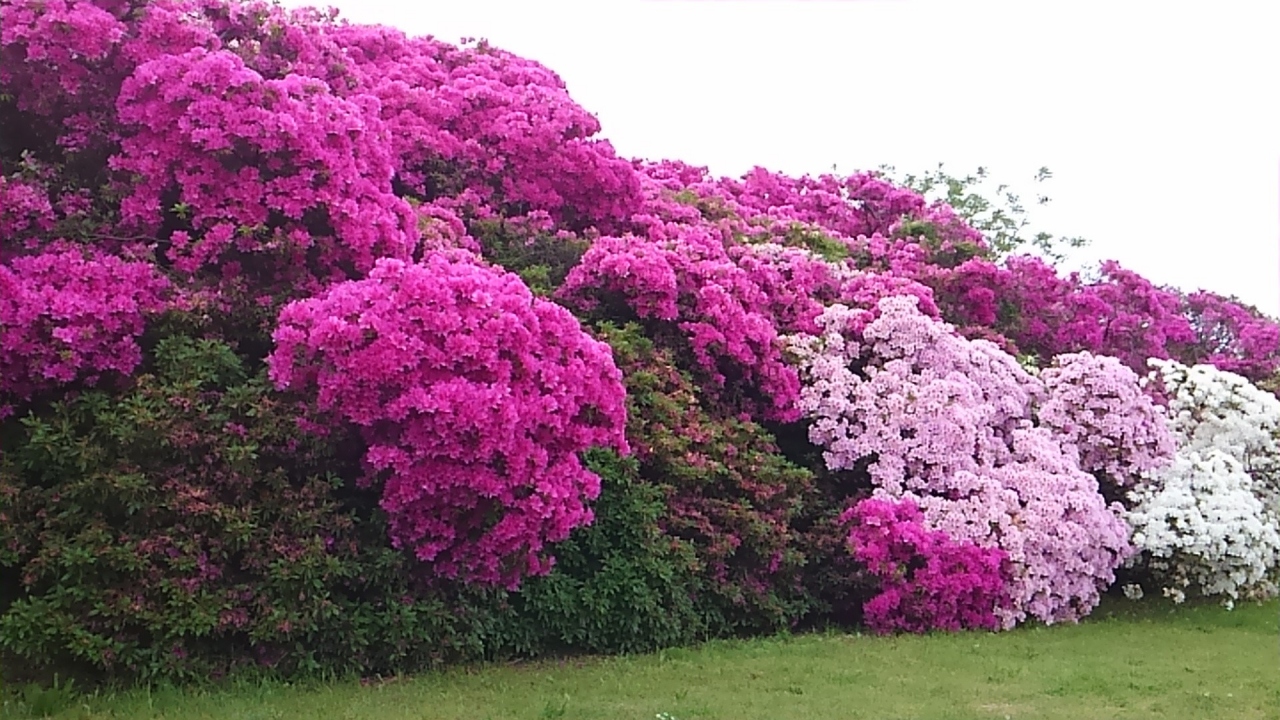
(928, 580)
(949, 424)
(1209, 523)
(328, 349)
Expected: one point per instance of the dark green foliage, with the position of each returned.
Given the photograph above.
(619, 586)
(817, 242)
(728, 491)
(712, 208)
(188, 526)
(947, 255)
(835, 583)
(541, 261)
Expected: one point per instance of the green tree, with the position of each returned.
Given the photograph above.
(1003, 219)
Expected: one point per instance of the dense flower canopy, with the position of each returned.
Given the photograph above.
(1099, 413)
(474, 396)
(1209, 523)
(409, 289)
(948, 423)
(929, 580)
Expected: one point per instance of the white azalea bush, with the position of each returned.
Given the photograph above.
(1201, 528)
(1209, 522)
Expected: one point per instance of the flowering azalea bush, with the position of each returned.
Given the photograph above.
(928, 580)
(1202, 529)
(947, 423)
(69, 317)
(1233, 337)
(1099, 413)
(1209, 524)
(729, 492)
(475, 399)
(129, 558)
(452, 307)
(1024, 299)
(1210, 408)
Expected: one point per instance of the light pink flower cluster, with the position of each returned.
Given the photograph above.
(1062, 538)
(1099, 413)
(475, 399)
(909, 391)
(948, 423)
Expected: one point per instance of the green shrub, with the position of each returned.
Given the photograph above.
(728, 491)
(619, 586)
(188, 526)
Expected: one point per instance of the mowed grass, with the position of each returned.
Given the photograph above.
(1126, 661)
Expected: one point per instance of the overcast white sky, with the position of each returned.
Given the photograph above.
(1159, 120)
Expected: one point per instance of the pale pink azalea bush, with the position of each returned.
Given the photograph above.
(1102, 418)
(905, 389)
(475, 399)
(948, 423)
(1063, 539)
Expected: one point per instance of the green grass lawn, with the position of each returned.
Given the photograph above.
(1125, 662)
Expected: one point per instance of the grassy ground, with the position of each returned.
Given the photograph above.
(1125, 662)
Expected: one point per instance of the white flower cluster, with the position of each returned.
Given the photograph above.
(1209, 523)
(1200, 527)
(1214, 409)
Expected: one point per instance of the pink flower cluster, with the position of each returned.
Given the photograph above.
(728, 301)
(69, 316)
(1119, 313)
(1102, 418)
(1022, 303)
(55, 52)
(475, 399)
(24, 209)
(1232, 337)
(506, 124)
(949, 423)
(927, 581)
(261, 165)
(731, 283)
(241, 128)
